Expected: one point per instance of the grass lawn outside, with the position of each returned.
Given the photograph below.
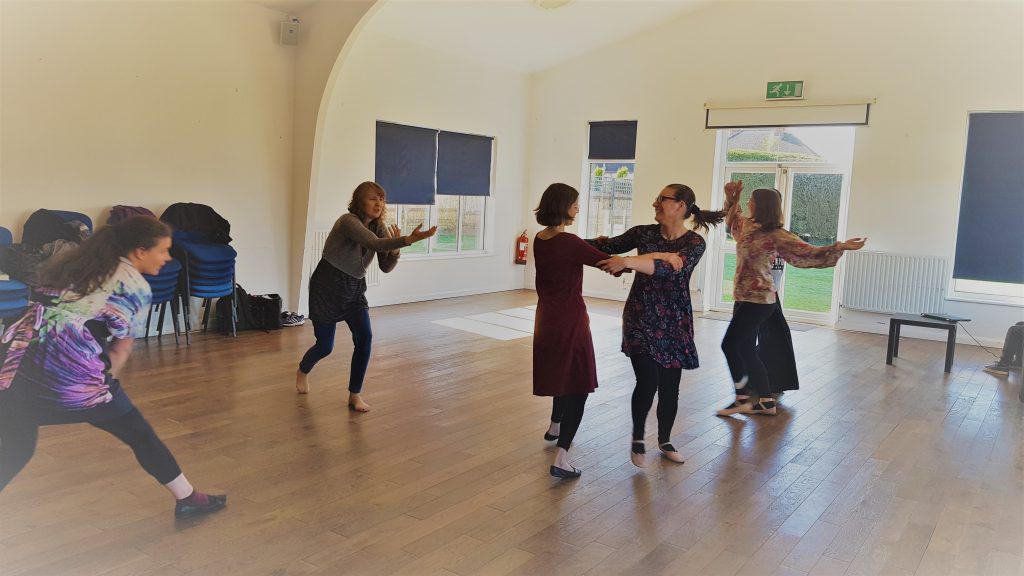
(807, 289)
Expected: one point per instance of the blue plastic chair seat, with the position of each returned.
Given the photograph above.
(211, 284)
(13, 308)
(211, 278)
(9, 287)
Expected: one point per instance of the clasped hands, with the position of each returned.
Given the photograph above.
(618, 264)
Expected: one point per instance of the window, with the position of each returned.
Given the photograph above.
(436, 178)
(610, 199)
(459, 221)
(809, 166)
(609, 185)
(989, 261)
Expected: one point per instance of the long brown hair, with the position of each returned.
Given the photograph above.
(553, 209)
(767, 208)
(355, 205)
(702, 219)
(85, 268)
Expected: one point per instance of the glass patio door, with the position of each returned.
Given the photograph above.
(814, 188)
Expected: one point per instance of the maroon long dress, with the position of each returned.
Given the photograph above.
(563, 350)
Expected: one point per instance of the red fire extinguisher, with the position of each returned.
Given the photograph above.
(522, 247)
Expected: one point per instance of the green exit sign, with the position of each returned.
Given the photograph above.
(789, 90)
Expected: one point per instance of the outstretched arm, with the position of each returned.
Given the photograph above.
(644, 263)
(803, 255)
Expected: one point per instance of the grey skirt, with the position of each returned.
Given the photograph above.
(333, 294)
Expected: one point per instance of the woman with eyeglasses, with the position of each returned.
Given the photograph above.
(758, 237)
(657, 320)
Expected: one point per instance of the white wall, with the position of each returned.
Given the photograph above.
(928, 64)
(326, 28)
(386, 79)
(150, 103)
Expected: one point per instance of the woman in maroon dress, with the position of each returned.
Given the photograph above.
(563, 351)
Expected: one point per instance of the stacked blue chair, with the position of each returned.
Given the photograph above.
(13, 294)
(209, 273)
(166, 290)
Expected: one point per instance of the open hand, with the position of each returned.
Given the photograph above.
(672, 259)
(733, 190)
(393, 231)
(613, 265)
(419, 234)
(852, 244)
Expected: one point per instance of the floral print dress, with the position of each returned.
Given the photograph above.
(657, 319)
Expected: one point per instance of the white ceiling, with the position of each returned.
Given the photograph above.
(518, 34)
(287, 6)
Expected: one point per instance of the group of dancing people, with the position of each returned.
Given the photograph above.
(62, 358)
(657, 319)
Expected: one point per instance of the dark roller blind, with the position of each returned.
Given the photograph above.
(989, 242)
(613, 140)
(406, 157)
(463, 164)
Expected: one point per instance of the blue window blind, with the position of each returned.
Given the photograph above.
(989, 243)
(406, 158)
(613, 140)
(463, 164)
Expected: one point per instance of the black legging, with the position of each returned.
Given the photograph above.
(652, 378)
(19, 431)
(567, 411)
(740, 346)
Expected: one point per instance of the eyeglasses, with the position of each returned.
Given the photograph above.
(661, 199)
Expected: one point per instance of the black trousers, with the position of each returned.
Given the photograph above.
(19, 432)
(567, 411)
(740, 346)
(775, 349)
(652, 378)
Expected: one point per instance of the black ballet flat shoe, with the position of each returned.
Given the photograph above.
(549, 437)
(565, 474)
(215, 502)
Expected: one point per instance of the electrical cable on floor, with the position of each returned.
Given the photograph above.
(982, 346)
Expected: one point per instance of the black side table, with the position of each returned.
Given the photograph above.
(898, 320)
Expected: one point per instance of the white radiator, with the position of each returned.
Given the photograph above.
(317, 251)
(889, 283)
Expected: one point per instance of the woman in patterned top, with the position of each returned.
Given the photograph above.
(657, 321)
(66, 352)
(758, 238)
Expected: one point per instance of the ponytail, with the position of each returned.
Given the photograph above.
(705, 219)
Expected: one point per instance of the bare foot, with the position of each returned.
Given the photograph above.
(356, 403)
(301, 383)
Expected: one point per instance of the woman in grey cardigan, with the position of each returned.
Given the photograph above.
(337, 289)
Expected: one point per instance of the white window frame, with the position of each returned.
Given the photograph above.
(433, 217)
(582, 224)
(718, 241)
(960, 295)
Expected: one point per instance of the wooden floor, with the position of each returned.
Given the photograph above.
(868, 469)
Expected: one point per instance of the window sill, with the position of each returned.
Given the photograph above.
(447, 256)
(989, 300)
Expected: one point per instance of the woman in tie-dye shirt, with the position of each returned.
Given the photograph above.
(65, 353)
